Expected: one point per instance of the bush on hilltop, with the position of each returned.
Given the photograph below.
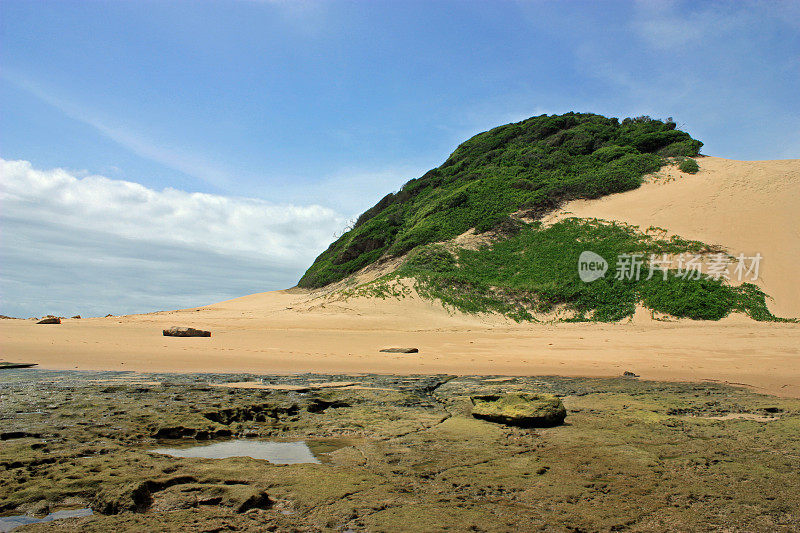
(531, 166)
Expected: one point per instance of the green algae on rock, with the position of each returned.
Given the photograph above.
(519, 409)
(399, 453)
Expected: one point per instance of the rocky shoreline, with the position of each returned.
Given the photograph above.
(397, 453)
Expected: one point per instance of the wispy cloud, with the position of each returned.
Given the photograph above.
(671, 25)
(184, 161)
(660, 23)
(306, 17)
(73, 244)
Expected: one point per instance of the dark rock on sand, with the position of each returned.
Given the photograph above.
(401, 350)
(629, 374)
(7, 364)
(520, 409)
(50, 320)
(77, 316)
(176, 331)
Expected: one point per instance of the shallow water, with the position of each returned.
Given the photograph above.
(7, 523)
(741, 416)
(281, 453)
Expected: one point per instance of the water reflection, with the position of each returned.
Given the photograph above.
(280, 453)
(7, 523)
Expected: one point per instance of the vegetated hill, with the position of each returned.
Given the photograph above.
(534, 165)
(528, 169)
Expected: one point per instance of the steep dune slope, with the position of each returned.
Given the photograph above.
(746, 206)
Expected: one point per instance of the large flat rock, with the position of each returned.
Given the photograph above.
(519, 409)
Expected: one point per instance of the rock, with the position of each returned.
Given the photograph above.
(259, 500)
(8, 435)
(176, 331)
(177, 432)
(629, 374)
(39, 509)
(520, 409)
(77, 316)
(50, 320)
(400, 350)
(7, 364)
(318, 405)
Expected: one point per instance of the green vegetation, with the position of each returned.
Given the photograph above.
(519, 172)
(531, 166)
(688, 165)
(536, 271)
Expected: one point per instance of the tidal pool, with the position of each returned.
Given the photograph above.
(7, 523)
(280, 453)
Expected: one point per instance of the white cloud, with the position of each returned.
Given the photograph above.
(70, 244)
(219, 223)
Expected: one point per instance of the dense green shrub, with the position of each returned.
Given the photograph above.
(536, 270)
(533, 165)
(609, 153)
(680, 149)
(688, 165)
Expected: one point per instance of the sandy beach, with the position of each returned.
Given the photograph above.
(260, 334)
(359, 267)
(745, 206)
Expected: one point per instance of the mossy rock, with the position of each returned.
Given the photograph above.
(520, 409)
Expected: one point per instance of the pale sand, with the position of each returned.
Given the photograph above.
(295, 331)
(258, 334)
(747, 206)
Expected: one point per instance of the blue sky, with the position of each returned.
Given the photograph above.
(322, 107)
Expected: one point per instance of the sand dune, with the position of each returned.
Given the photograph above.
(746, 206)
